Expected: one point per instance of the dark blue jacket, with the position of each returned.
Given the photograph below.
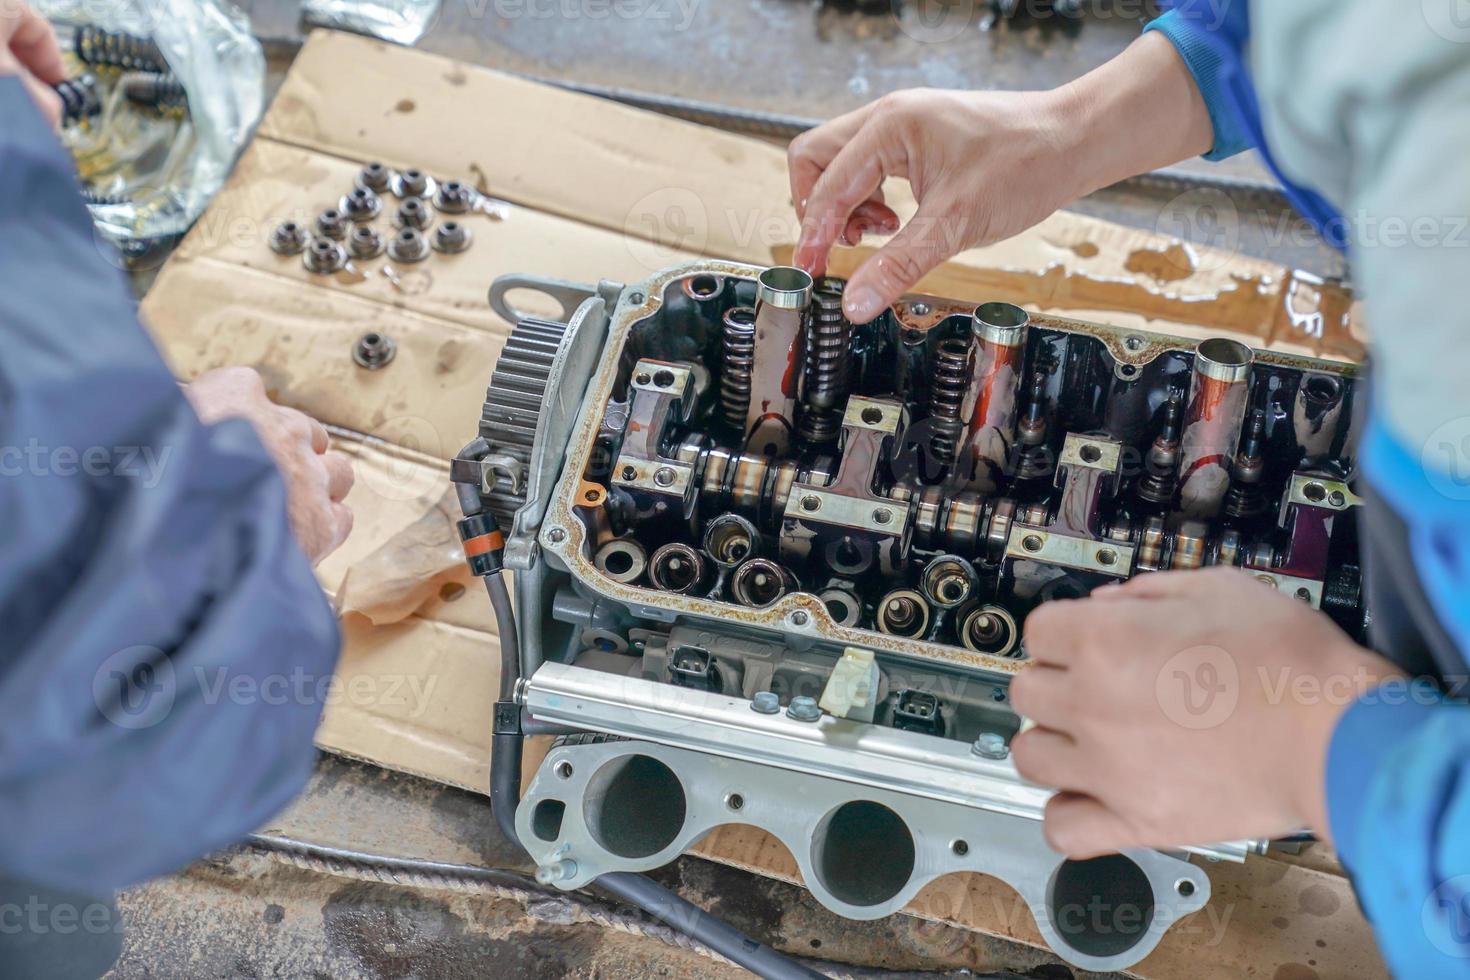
(162, 631)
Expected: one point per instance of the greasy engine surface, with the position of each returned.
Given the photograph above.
(938, 479)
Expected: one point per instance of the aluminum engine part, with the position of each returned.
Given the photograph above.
(713, 536)
(599, 805)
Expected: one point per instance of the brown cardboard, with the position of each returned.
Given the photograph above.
(602, 191)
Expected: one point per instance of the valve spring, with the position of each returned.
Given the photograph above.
(828, 365)
(951, 379)
(155, 90)
(115, 49)
(90, 196)
(79, 98)
(737, 361)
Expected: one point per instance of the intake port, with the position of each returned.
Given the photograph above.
(863, 853)
(634, 806)
(1100, 907)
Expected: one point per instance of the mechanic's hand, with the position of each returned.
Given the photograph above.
(316, 480)
(1184, 708)
(983, 166)
(28, 49)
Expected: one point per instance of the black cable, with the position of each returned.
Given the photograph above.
(695, 922)
(506, 750)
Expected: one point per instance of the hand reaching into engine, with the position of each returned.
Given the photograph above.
(28, 49)
(984, 165)
(1184, 708)
(317, 480)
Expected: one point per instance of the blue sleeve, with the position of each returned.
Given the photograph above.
(1210, 36)
(1398, 770)
(166, 644)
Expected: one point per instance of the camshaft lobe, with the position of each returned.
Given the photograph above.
(737, 360)
(951, 380)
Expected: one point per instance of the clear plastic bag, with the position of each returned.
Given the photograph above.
(148, 175)
(400, 21)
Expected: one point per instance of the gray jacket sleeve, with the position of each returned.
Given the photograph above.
(164, 645)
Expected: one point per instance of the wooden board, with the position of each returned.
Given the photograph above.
(598, 190)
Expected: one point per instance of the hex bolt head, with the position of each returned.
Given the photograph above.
(991, 745)
(803, 709)
(332, 223)
(550, 874)
(375, 177)
(289, 238)
(360, 204)
(766, 703)
(451, 237)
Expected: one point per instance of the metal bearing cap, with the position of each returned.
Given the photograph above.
(375, 177)
(289, 238)
(413, 213)
(452, 236)
(409, 245)
(413, 183)
(365, 242)
(325, 256)
(332, 223)
(374, 350)
(455, 197)
(360, 204)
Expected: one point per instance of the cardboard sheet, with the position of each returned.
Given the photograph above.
(599, 191)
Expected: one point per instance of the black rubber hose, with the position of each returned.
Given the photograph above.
(505, 798)
(653, 898)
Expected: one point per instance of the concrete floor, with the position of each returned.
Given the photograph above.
(248, 914)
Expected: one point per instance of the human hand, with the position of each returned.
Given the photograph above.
(1184, 708)
(28, 49)
(317, 480)
(984, 165)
